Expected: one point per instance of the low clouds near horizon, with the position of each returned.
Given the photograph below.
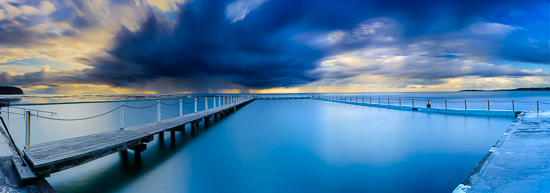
(212, 46)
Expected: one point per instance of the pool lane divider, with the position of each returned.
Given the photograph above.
(478, 112)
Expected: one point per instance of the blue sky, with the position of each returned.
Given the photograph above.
(183, 46)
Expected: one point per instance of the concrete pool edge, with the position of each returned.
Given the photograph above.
(466, 184)
(518, 160)
(500, 113)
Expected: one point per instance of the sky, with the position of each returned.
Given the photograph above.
(272, 46)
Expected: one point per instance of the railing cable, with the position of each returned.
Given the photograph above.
(168, 104)
(145, 107)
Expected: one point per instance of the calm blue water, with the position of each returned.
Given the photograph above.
(279, 146)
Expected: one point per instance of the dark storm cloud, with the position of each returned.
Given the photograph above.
(261, 51)
(256, 52)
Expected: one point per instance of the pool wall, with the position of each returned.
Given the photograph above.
(435, 110)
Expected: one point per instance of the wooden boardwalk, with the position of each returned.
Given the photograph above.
(54, 156)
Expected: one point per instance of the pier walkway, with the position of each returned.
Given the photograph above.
(54, 156)
(518, 162)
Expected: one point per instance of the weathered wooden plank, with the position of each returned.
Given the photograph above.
(49, 157)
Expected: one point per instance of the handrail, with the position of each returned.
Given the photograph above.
(111, 101)
(25, 109)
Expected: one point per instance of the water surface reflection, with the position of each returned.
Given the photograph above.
(293, 146)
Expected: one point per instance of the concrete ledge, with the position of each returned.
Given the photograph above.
(434, 110)
(518, 162)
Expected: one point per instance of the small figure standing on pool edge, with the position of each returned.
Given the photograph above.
(428, 105)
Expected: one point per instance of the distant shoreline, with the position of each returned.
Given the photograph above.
(514, 89)
(10, 90)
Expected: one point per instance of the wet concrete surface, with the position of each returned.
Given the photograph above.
(518, 162)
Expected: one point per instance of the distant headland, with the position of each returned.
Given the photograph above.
(514, 89)
(4, 90)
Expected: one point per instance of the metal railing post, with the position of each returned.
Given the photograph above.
(195, 105)
(206, 103)
(363, 99)
(379, 101)
(213, 102)
(370, 99)
(513, 106)
(445, 103)
(412, 102)
(399, 101)
(465, 106)
(537, 106)
(388, 101)
(488, 106)
(181, 107)
(27, 129)
(158, 110)
(121, 115)
(219, 101)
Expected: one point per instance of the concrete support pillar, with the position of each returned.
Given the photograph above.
(138, 149)
(173, 136)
